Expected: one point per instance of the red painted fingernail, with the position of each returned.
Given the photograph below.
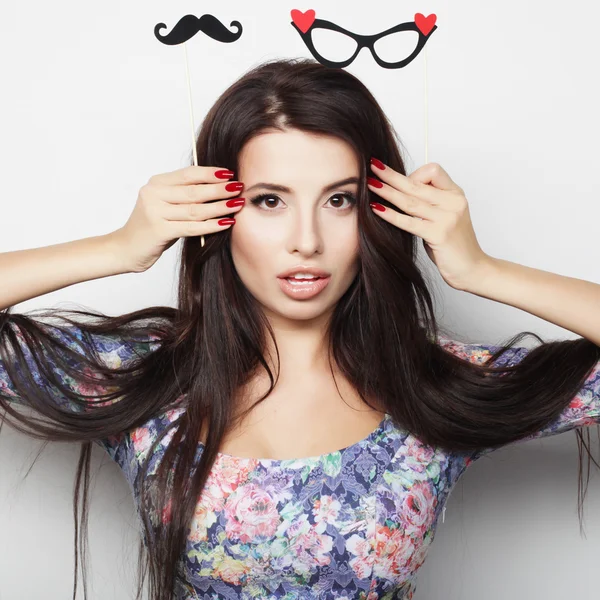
(225, 221)
(223, 174)
(377, 206)
(234, 186)
(236, 202)
(377, 163)
(374, 182)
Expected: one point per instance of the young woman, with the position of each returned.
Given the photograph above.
(286, 438)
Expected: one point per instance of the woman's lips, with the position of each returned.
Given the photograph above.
(304, 290)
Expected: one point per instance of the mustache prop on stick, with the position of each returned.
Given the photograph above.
(185, 29)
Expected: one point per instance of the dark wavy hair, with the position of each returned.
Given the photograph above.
(203, 350)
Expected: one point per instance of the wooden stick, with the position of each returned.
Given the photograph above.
(187, 71)
(426, 110)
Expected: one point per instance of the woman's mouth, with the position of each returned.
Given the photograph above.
(303, 289)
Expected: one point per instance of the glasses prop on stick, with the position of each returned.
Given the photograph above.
(306, 24)
(185, 29)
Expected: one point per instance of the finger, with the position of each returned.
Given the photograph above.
(179, 229)
(409, 204)
(406, 185)
(202, 192)
(434, 174)
(199, 212)
(192, 175)
(407, 223)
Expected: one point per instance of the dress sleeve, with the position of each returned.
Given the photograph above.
(112, 351)
(584, 408)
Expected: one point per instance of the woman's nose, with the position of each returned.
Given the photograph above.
(307, 234)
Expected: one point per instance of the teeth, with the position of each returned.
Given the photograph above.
(303, 276)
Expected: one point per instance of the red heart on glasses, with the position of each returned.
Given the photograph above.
(303, 20)
(425, 24)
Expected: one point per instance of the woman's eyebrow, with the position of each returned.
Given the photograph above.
(282, 188)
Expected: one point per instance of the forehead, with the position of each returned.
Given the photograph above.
(296, 154)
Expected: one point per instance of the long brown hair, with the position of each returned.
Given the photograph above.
(202, 351)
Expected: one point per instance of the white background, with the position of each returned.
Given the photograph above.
(93, 105)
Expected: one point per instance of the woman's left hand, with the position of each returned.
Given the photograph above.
(438, 212)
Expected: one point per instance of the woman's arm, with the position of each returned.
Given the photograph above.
(565, 301)
(434, 208)
(26, 274)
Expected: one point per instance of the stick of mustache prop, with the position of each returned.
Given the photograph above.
(185, 29)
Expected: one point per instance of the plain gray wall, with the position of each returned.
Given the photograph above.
(93, 105)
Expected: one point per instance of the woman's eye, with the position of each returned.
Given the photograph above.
(258, 201)
(346, 196)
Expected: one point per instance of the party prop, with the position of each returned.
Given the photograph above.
(305, 23)
(185, 29)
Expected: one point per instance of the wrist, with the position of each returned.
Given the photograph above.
(115, 250)
(484, 271)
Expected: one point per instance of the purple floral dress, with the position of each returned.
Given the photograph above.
(351, 524)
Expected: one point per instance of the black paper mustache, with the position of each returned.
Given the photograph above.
(187, 27)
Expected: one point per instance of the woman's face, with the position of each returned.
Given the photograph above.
(303, 226)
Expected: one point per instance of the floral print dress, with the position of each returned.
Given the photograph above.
(352, 524)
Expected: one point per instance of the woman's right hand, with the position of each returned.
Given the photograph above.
(175, 205)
